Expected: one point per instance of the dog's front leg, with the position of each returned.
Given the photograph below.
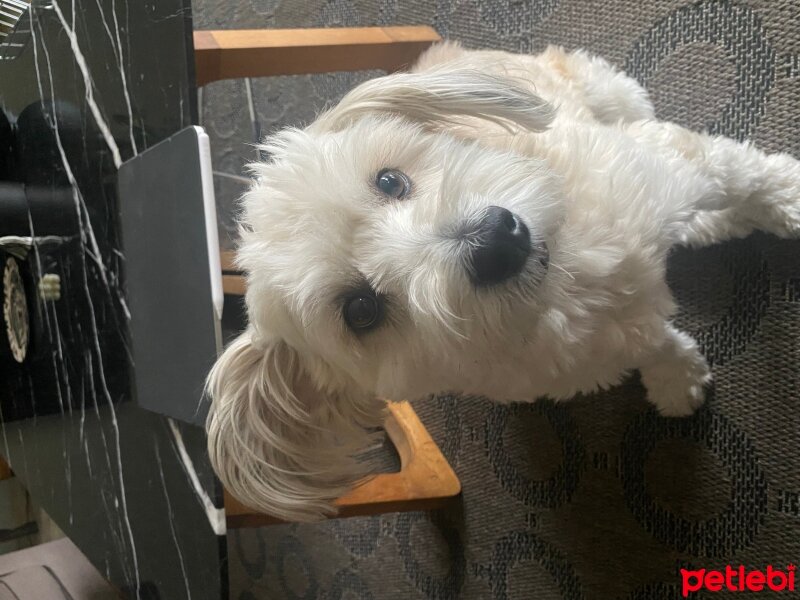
(745, 189)
(675, 374)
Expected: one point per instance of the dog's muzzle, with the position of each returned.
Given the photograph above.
(500, 245)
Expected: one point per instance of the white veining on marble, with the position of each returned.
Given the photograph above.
(88, 457)
(56, 356)
(115, 426)
(110, 471)
(117, 50)
(89, 85)
(96, 433)
(24, 454)
(216, 516)
(87, 233)
(171, 520)
(83, 213)
(6, 448)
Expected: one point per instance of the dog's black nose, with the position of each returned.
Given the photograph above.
(500, 245)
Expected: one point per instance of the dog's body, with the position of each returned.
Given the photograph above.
(448, 229)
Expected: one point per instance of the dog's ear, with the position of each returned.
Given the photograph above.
(278, 444)
(440, 96)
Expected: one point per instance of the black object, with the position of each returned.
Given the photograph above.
(23, 248)
(172, 273)
(6, 148)
(52, 209)
(38, 154)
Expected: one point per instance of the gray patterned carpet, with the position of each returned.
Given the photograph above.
(598, 498)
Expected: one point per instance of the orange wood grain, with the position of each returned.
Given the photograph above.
(425, 480)
(232, 54)
(227, 261)
(234, 285)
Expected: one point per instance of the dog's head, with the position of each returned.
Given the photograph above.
(391, 249)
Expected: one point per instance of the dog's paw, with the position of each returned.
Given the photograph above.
(791, 214)
(781, 218)
(674, 400)
(677, 388)
(777, 209)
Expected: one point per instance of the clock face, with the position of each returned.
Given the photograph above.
(15, 311)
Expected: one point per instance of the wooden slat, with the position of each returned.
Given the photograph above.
(233, 283)
(425, 480)
(232, 54)
(227, 261)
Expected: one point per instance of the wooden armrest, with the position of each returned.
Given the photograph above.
(425, 480)
(233, 283)
(232, 54)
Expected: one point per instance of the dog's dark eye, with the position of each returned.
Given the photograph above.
(362, 311)
(393, 183)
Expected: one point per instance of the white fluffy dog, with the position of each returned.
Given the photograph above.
(488, 223)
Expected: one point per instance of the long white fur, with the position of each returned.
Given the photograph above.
(563, 140)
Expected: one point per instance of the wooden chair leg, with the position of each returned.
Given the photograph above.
(425, 480)
(232, 54)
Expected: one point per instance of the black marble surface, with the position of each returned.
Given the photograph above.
(93, 83)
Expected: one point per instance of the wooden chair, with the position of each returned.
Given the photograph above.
(235, 54)
(425, 480)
